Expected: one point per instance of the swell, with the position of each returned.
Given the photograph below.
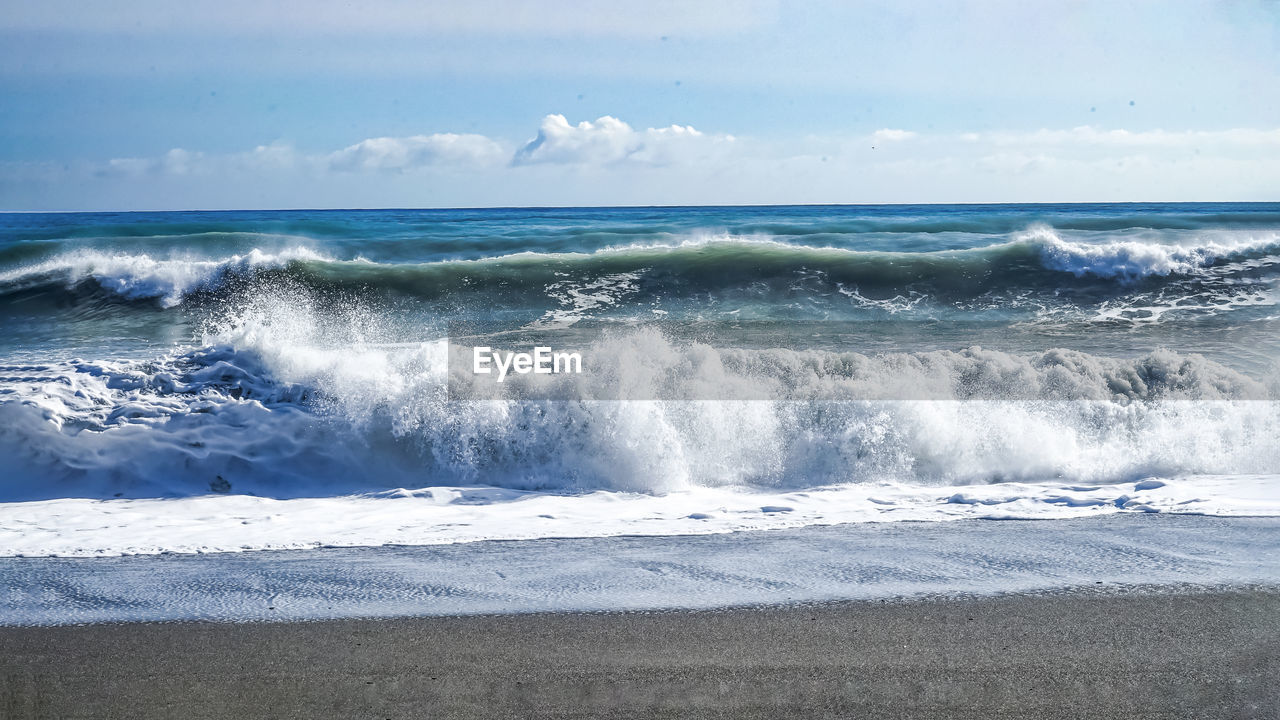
(1038, 258)
(772, 220)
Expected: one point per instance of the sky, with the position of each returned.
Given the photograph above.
(152, 104)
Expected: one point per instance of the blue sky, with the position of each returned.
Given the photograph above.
(144, 104)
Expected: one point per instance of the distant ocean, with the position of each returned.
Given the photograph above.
(223, 381)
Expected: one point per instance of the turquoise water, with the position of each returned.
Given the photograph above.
(1111, 279)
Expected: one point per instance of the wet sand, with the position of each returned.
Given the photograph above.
(1114, 655)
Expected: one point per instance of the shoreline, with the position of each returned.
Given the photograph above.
(1168, 653)
(804, 566)
(216, 523)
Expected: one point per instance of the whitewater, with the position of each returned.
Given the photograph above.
(222, 382)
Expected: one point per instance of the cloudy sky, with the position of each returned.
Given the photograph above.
(153, 104)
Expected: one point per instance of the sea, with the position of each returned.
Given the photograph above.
(210, 382)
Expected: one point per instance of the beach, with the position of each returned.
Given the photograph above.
(808, 565)
(1137, 615)
(724, 359)
(1070, 655)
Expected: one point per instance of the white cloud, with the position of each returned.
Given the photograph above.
(890, 135)
(1015, 163)
(677, 165)
(175, 162)
(390, 153)
(1089, 135)
(274, 156)
(609, 140)
(1045, 151)
(179, 162)
(383, 154)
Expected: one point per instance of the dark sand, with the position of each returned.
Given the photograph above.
(1206, 654)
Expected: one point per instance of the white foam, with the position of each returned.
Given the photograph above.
(302, 412)
(1153, 308)
(301, 407)
(143, 276)
(578, 299)
(448, 515)
(893, 305)
(1134, 259)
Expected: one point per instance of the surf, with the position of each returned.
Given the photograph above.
(291, 410)
(1038, 257)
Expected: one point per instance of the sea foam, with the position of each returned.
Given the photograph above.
(287, 401)
(1130, 260)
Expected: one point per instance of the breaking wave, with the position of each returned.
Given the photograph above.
(286, 401)
(141, 276)
(744, 368)
(1131, 260)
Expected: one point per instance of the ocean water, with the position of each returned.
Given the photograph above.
(246, 380)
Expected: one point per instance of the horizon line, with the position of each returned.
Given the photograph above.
(640, 206)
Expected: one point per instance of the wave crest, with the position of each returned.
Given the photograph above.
(1038, 264)
(1132, 260)
(141, 276)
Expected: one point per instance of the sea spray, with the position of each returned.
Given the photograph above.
(742, 368)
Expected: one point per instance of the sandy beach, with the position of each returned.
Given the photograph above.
(1151, 655)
